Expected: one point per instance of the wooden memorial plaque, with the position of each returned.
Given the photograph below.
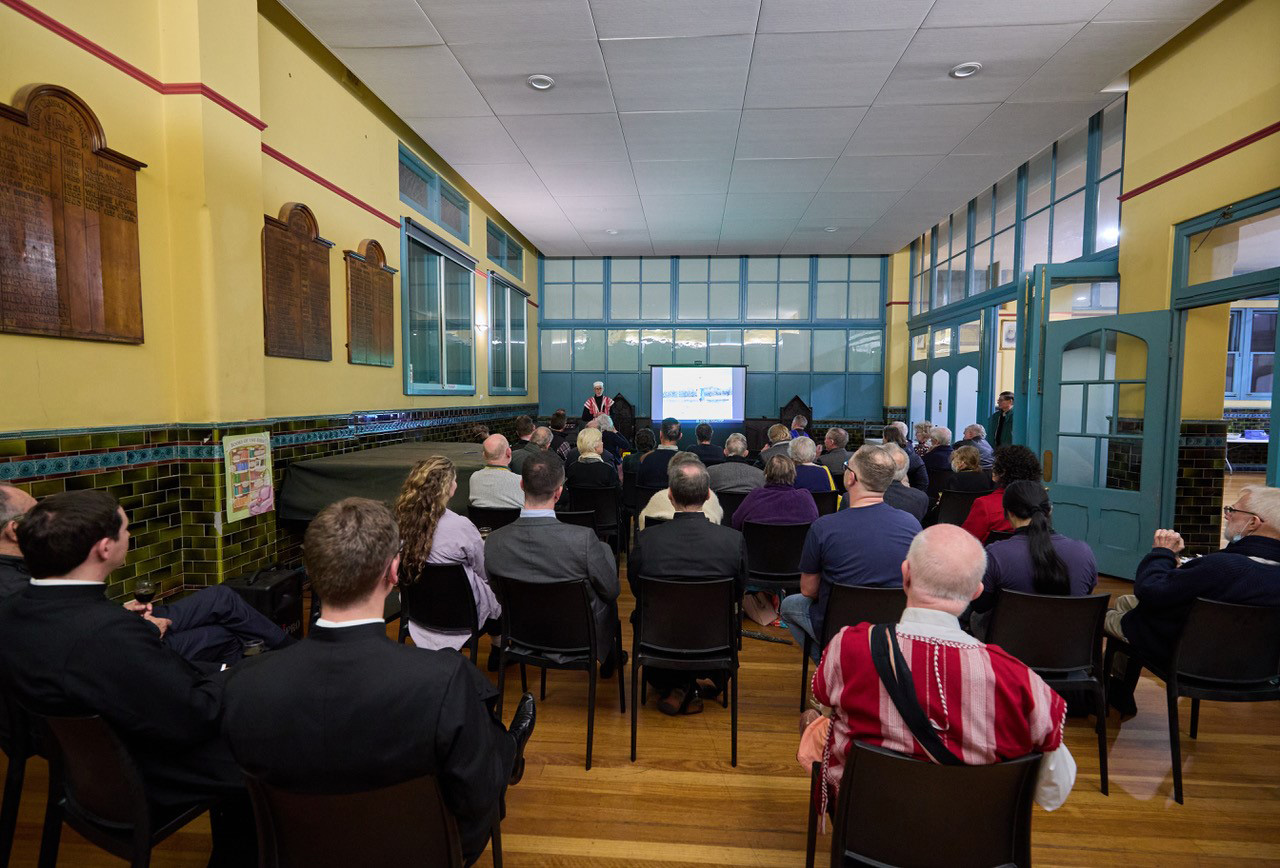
(295, 286)
(69, 262)
(370, 296)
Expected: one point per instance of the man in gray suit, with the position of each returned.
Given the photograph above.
(834, 454)
(737, 473)
(537, 547)
(539, 441)
(779, 444)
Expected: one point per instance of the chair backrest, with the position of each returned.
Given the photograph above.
(826, 501)
(774, 548)
(997, 536)
(581, 517)
(328, 830)
(690, 615)
(955, 505)
(440, 598)
(853, 604)
(601, 502)
(547, 617)
(1050, 632)
(644, 494)
(17, 734)
(491, 519)
(983, 812)
(729, 502)
(629, 490)
(653, 520)
(102, 781)
(1230, 643)
(939, 481)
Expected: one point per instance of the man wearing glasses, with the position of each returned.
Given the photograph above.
(1247, 571)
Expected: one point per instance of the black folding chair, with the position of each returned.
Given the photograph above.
(100, 794)
(630, 509)
(605, 504)
(1061, 639)
(335, 830)
(988, 811)
(689, 624)
(729, 503)
(939, 481)
(826, 501)
(581, 517)
(644, 494)
(19, 744)
(488, 520)
(848, 605)
(1225, 653)
(550, 625)
(440, 598)
(654, 520)
(773, 556)
(954, 506)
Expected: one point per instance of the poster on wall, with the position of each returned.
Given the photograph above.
(247, 458)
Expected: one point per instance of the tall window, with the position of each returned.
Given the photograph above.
(433, 197)
(507, 339)
(1251, 343)
(439, 316)
(504, 252)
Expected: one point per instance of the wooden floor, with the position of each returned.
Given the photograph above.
(681, 803)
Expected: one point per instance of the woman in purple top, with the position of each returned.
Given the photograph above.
(1035, 560)
(778, 501)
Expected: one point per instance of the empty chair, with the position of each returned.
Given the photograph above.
(691, 625)
(729, 502)
(644, 494)
(982, 814)
(773, 555)
(550, 625)
(848, 605)
(826, 501)
(440, 598)
(629, 508)
(1205, 665)
(605, 504)
(1061, 639)
(487, 520)
(954, 506)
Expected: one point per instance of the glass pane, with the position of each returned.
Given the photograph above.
(959, 275)
(833, 268)
(693, 301)
(453, 210)
(762, 268)
(656, 268)
(828, 350)
(1038, 179)
(1242, 247)
(831, 301)
(724, 347)
(557, 301)
(1035, 241)
(1131, 409)
(459, 333)
(959, 229)
(556, 351)
(655, 347)
(1002, 258)
(793, 301)
(625, 269)
(926, 250)
(588, 270)
(942, 284)
(1262, 331)
(1112, 138)
(793, 350)
(762, 300)
(692, 268)
(1071, 409)
(864, 268)
(982, 215)
(980, 280)
(498, 338)
(1231, 374)
(655, 301)
(1068, 228)
(1071, 160)
(691, 346)
(624, 349)
(519, 362)
(424, 314)
(919, 382)
(724, 300)
(1233, 331)
(624, 301)
(515, 258)
(865, 347)
(557, 270)
(943, 233)
(966, 398)
(793, 268)
(588, 301)
(588, 350)
(942, 343)
(940, 398)
(494, 246)
(1108, 231)
(758, 349)
(414, 187)
(1082, 357)
(919, 347)
(1075, 464)
(970, 340)
(1260, 372)
(1006, 200)
(864, 301)
(1124, 464)
(726, 268)
(1097, 419)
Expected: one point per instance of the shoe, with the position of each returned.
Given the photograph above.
(521, 728)
(611, 665)
(1122, 702)
(681, 701)
(709, 688)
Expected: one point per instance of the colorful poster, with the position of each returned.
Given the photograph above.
(247, 458)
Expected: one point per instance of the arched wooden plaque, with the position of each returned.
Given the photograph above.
(370, 297)
(295, 286)
(69, 261)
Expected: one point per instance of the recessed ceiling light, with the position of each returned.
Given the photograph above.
(964, 70)
(611, 232)
(830, 228)
(541, 82)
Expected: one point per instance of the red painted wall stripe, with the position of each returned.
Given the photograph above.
(1203, 161)
(327, 184)
(892, 303)
(115, 60)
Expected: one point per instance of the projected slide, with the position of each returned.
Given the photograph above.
(699, 393)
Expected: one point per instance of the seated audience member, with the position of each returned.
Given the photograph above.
(539, 441)
(604, 455)
(524, 431)
(646, 442)
(653, 469)
(861, 545)
(688, 546)
(810, 475)
(68, 650)
(590, 470)
(560, 441)
(736, 472)
(1013, 463)
(538, 547)
(834, 454)
(900, 495)
(999, 710)
(494, 486)
(431, 533)
(799, 426)
(709, 455)
(364, 712)
(779, 444)
(917, 474)
(939, 457)
(614, 443)
(209, 627)
(966, 467)
(478, 433)
(778, 501)
(922, 443)
(976, 436)
(1247, 572)
(1035, 560)
(659, 505)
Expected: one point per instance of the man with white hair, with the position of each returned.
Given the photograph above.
(597, 403)
(901, 495)
(736, 473)
(939, 457)
(976, 436)
(539, 441)
(810, 475)
(1247, 571)
(494, 486)
(980, 704)
(614, 442)
(834, 454)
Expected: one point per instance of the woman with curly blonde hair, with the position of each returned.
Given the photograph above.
(431, 533)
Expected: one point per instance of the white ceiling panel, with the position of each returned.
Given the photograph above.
(682, 209)
(1020, 129)
(396, 76)
(680, 135)
(1002, 13)
(685, 245)
(757, 229)
(965, 173)
(860, 206)
(544, 139)
(682, 176)
(818, 240)
(916, 129)
(501, 71)
(1154, 10)
(588, 179)
(490, 179)
(824, 16)
(778, 176)
(627, 19)
(794, 133)
(749, 247)
(510, 21)
(372, 24)
(707, 72)
(625, 243)
(822, 69)
(877, 173)
(781, 206)
(601, 213)
(468, 140)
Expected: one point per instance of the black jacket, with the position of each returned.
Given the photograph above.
(917, 473)
(14, 576)
(910, 500)
(970, 481)
(938, 458)
(688, 546)
(708, 454)
(591, 474)
(653, 469)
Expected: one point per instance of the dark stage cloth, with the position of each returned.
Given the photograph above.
(309, 486)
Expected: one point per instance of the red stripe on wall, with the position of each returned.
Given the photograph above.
(327, 184)
(1203, 161)
(892, 303)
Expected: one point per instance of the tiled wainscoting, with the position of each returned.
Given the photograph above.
(167, 478)
(1197, 510)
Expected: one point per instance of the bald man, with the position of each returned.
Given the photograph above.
(14, 575)
(994, 709)
(494, 486)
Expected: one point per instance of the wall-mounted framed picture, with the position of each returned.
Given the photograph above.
(1008, 334)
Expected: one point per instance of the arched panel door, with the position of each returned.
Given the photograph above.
(940, 398)
(919, 388)
(966, 400)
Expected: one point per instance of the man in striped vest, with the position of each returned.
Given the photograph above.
(597, 404)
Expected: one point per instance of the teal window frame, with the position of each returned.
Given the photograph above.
(437, 188)
(507, 252)
(516, 299)
(413, 233)
(1241, 328)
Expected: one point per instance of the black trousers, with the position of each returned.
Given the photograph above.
(211, 626)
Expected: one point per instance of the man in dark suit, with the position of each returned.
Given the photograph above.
(349, 710)
(537, 547)
(900, 495)
(834, 454)
(708, 454)
(938, 459)
(653, 469)
(688, 546)
(68, 650)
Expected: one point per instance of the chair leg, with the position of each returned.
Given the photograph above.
(542, 686)
(496, 844)
(1175, 749)
(804, 676)
(524, 680)
(811, 840)
(50, 836)
(733, 720)
(591, 711)
(475, 647)
(635, 687)
(1100, 701)
(502, 677)
(13, 779)
(622, 690)
(1195, 717)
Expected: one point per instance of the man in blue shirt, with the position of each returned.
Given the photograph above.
(862, 545)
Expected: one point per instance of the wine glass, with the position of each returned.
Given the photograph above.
(144, 590)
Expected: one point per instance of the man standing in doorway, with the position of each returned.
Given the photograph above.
(1000, 425)
(597, 403)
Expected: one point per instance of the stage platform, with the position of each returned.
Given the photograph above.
(309, 486)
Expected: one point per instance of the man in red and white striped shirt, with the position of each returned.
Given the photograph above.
(597, 404)
(984, 704)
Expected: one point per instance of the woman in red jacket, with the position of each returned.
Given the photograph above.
(1013, 463)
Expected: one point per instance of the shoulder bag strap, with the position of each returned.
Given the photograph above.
(897, 681)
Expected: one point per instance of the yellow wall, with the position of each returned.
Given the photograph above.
(201, 203)
(897, 342)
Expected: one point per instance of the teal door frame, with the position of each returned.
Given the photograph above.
(983, 359)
